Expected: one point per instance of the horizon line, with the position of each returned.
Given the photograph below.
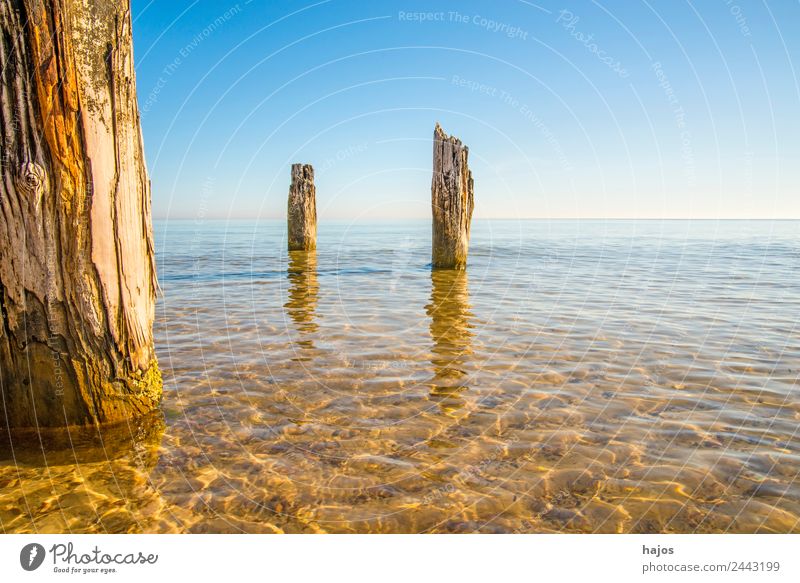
(376, 219)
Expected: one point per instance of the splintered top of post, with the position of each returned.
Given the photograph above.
(439, 135)
(302, 172)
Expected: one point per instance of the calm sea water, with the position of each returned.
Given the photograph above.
(580, 376)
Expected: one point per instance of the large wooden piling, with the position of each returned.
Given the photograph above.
(452, 201)
(302, 213)
(77, 258)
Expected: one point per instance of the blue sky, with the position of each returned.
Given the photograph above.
(630, 109)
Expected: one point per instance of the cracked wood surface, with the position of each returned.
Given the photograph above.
(302, 211)
(77, 265)
(452, 201)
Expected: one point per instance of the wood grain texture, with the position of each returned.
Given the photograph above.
(452, 201)
(77, 264)
(302, 211)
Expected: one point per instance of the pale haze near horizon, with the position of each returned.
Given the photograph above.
(602, 110)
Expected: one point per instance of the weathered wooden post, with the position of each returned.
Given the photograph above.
(302, 214)
(451, 201)
(77, 272)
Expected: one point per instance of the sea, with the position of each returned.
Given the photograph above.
(580, 376)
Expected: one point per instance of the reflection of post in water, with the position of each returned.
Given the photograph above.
(451, 330)
(303, 292)
(137, 441)
(90, 479)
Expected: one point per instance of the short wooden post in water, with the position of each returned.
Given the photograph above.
(302, 214)
(451, 201)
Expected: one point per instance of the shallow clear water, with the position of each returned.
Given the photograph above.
(579, 377)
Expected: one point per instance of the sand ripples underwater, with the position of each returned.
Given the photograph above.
(579, 377)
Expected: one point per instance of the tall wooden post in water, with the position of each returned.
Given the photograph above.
(302, 212)
(451, 201)
(77, 271)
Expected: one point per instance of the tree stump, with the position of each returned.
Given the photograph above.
(452, 201)
(302, 214)
(77, 269)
